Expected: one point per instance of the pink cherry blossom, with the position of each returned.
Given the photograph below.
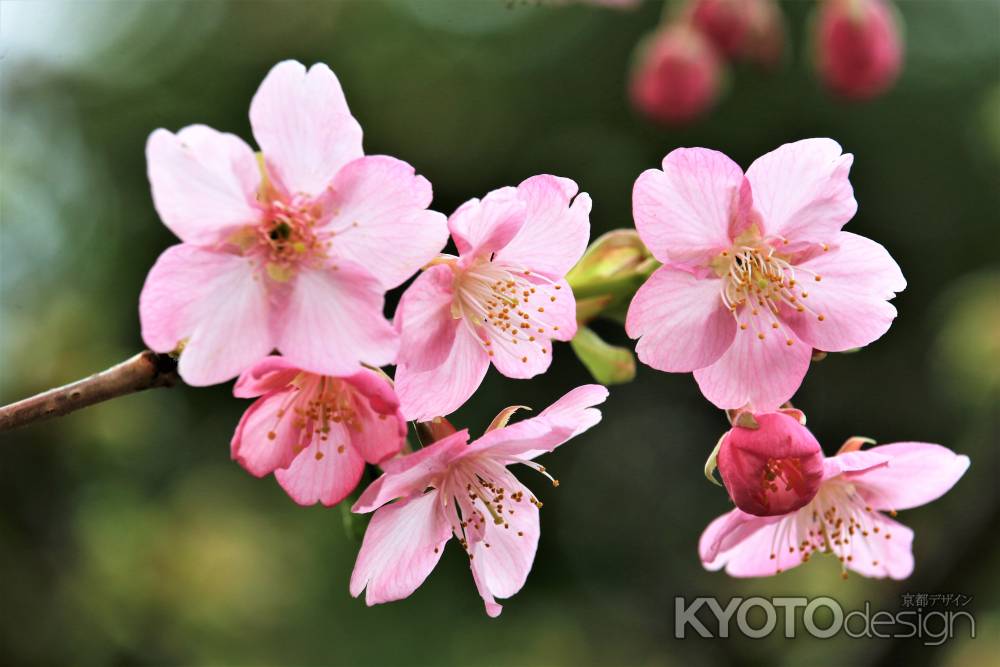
(295, 253)
(452, 488)
(315, 432)
(771, 467)
(846, 518)
(859, 46)
(757, 272)
(503, 299)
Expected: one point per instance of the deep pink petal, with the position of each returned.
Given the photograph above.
(503, 566)
(555, 233)
(379, 210)
(481, 227)
(762, 373)
(683, 213)
(437, 392)
(680, 321)
(802, 190)
(376, 389)
(916, 473)
(204, 182)
(401, 546)
(425, 321)
(210, 302)
(409, 475)
(253, 446)
(326, 471)
(379, 435)
(332, 322)
(269, 374)
(303, 126)
(857, 276)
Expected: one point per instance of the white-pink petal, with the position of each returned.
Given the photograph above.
(425, 321)
(303, 126)
(683, 213)
(480, 227)
(401, 546)
(802, 190)
(555, 232)
(210, 302)
(332, 321)
(379, 211)
(204, 182)
(680, 321)
(915, 474)
(439, 391)
(762, 373)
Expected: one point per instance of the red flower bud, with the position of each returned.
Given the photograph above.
(773, 469)
(676, 75)
(859, 46)
(742, 29)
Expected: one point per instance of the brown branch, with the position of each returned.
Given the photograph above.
(145, 370)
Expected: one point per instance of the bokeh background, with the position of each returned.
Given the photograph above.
(127, 536)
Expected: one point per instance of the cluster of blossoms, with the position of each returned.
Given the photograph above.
(757, 276)
(280, 280)
(680, 68)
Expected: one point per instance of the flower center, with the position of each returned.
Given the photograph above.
(504, 306)
(313, 404)
(757, 283)
(783, 482)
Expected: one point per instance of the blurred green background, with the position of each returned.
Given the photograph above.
(127, 536)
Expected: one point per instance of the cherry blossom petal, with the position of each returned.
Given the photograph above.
(269, 374)
(493, 609)
(211, 301)
(683, 213)
(887, 553)
(425, 321)
(743, 544)
(857, 276)
(567, 418)
(401, 546)
(424, 395)
(481, 227)
(520, 357)
(326, 471)
(555, 233)
(802, 191)
(253, 446)
(852, 462)
(380, 213)
(409, 475)
(332, 321)
(559, 314)
(380, 436)
(916, 474)
(502, 559)
(680, 321)
(303, 126)
(204, 182)
(377, 389)
(764, 373)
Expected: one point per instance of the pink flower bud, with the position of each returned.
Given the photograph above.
(859, 46)
(742, 29)
(676, 75)
(773, 469)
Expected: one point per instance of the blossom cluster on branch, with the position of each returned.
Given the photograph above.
(740, 278)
